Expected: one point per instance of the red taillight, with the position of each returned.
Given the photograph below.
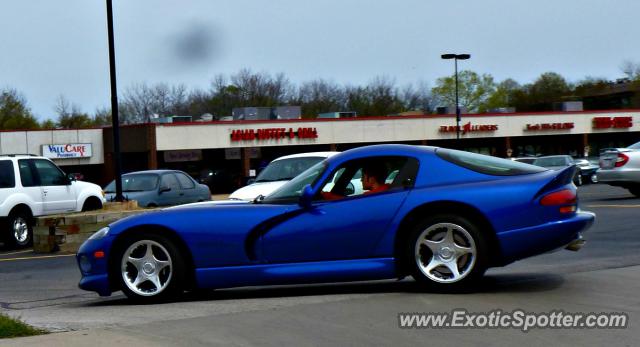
(562, 197)
(98, 254)
(621, 160)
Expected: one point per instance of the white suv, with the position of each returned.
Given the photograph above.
(33, 186)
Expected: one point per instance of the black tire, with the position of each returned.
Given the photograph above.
(635, 191)
(91, 204)
(16, 235)
(171, 283)
(578, 180)
(471, 267)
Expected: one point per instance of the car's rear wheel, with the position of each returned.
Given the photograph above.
(20, 230)
(149, 268)
(594, 178)
(449, 253)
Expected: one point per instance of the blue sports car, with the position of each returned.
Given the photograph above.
(442, 216)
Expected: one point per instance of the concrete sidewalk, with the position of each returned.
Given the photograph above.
(372, 318)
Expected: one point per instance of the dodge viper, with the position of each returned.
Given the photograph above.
(443, 217)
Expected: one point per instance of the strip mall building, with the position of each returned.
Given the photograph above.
(241, 147)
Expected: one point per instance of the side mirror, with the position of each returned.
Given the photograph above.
(307, 197)
(71, 177)
(164, 189)
(251, 181)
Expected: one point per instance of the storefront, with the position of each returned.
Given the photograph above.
(238, 149)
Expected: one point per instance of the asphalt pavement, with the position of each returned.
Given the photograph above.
(603, 277)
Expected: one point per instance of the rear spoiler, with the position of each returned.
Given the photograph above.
(562, 178)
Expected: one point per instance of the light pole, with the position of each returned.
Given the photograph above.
(456, 57)
(114, 104)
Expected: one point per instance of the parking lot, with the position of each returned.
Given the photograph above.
(603, 277)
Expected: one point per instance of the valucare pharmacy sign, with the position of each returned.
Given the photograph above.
(69, 150)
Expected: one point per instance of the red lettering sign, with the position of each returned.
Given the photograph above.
(273, 134)
(549, 126)
(612, 122)
(467, 128)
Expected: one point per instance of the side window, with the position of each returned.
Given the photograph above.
(7, 176)
(26, 174)
(369, 176)
(169, 180)
(50, 174)
(185, 182)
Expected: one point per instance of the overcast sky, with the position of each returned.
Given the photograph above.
(51, 48)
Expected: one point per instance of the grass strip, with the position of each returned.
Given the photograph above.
(10, 327)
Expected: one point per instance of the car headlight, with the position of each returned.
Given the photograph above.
(99, 234)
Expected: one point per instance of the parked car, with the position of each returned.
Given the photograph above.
(588, 169)
(32, 186)
(279, 172)
(559, 162)
(447, 216)
(526, 160)
(621, 167)
(218, 181)
(154, 188)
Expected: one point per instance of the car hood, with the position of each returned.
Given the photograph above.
(252, 191)
(210, 204)
(556, 168)
(127, 195)
(86, 185)
(199, 216)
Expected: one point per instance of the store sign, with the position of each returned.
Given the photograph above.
(69, 150)
(468, 128)
(182, 155)
(612, 122)
(549, 126)
(273, 134)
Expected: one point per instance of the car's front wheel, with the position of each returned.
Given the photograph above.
(448, 253)
(578, 180)
(150, 268)
(20, 230)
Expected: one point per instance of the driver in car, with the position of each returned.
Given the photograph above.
(373, 181)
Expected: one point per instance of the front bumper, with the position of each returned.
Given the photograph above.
(95, 274)
(521, 243)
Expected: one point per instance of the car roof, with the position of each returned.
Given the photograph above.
(308, 155)
(153, 172)
(555, 156)
(385, 150)
(21, 156)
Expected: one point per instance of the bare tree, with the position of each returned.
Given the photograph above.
(630, 69)
(140, 101)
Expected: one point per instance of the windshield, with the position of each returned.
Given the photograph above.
(286, 169)
(293, 189)
(134, 183)
(550, 161)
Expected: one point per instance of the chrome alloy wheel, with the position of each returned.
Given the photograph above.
(445, 253)
(146, 268)
(20, 230)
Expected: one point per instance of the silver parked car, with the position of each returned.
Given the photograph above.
(621, 167)
(153, 188)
